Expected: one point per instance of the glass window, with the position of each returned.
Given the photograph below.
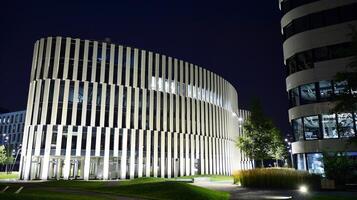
(317, 20)
(341, 87)
(329, 126)
(298, 129)
(332, 16)
(325, 89)
(294, 95)
(348, 12)
(345, 125)
(301, 161)
(301, 24)
(308, 93)
(321, 54)
(315, 163)
(311, 127)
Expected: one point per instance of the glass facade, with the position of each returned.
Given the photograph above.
(346, 125)
(314, 163)
(317, 92)
(324, 126)
(311, 127)
(320, 19)
(328, 123)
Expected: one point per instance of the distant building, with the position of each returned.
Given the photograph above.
(316, 35)
(97, 110)
(245, 161)
(11, 131)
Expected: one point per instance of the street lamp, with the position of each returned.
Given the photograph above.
(290, 152)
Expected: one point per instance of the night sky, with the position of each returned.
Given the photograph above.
(239, 40)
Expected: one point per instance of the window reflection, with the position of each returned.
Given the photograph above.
(295, 97)
(341, 87)
(298, 129)
(316, 92)
(325, 89)
(308, 93)
(329, 126)
(311, 127)
(345, 125)
(315, 163)
(301, 161)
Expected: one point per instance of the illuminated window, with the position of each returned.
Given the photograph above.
(329, 129)
(315, 163)
(311, 127)
(345, 125)
(308, 93)
(298, 129)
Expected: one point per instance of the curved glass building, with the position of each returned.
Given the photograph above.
(316, 38)
(97, 110)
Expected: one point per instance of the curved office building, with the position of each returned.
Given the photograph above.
(316, 36)
(97, 110)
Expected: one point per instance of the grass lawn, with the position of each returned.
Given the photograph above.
(4, 175)
(149, 188)
(213, 177)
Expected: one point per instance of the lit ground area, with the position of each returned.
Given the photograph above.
(220, 187)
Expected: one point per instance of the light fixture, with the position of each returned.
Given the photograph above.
(240, 119)
(303, 189)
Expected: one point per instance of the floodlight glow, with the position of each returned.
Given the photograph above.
(240, 119)
(303, 189)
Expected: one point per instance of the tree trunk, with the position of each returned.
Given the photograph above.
(262, 163)
(277, 163)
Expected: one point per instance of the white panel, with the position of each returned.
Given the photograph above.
(148, 153)
(76, 58)
(47, 57)
(46, 156)
(103, 60)
(85, 60)
(132, 153)
(87, 155)
(140, 156)
(162, 155)
(66, 58)
(124, 154)
(169, 159)
(67, 161)
(34, 60)
(155, 160)
(111, 63)
(106, 154)
(94, 58)
(40, 57)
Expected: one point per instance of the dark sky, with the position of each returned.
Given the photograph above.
(240, 40)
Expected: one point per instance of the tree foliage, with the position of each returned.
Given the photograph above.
(261, 139)
(3, 155)
(338, 167)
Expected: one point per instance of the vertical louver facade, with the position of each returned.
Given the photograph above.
(97, 110)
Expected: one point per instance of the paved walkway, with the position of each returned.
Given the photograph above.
(256, 194)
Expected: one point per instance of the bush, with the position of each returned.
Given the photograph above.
(276, 178)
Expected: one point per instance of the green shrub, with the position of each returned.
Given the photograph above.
(276, 178)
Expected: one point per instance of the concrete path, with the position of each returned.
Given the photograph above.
(256, 194)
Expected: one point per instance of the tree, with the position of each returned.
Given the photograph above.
(338, 167)
(260, 135)
(278, 150)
